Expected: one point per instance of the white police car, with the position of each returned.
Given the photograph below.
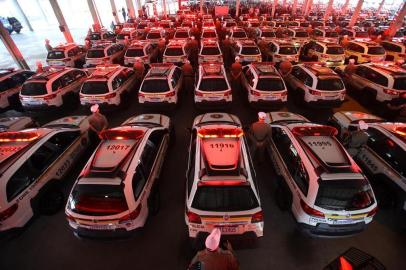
(16, 123)
(322, 185)
(51, 88)
(363, 52)
(117, 188)
(161, 86)
(155, 35)
(283, 50)
(210, 52)
(108, 86)
(264, 85)
(395, 51)
(105, 53)
(126, 35)
(324, 50)
(10, 85)
(175, 52)
(33, 163)
(212, 88)
(221, 187)
(314, 84)
(67, 55)
(247, 51)
(141, 49)
(182, 33)
(209, 33)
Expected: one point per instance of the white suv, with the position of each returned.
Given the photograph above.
(33, 163)
(326, 51)
(322, 185)
(67, 55)
(117, 188)
(221, 189)
(10, 85)
(363, 52)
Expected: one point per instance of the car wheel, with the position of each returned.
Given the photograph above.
(282, 198)
(51, 201)
(154, 201)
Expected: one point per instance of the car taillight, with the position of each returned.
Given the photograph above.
(170, 94)
(228, 93)
(131, 216)
(48, 97)
(402, 55)
(141, 95)
(310, 211)
(365, 55)
(277, 56)
(67, 59)
(111, 95)
(8, 212)
(193, 217)
(199, 94)
(255, 93)
(324, 55)
(372, 212)
(70, 218)
(315, 93)
(257, 217)
(390, 92)
(284, 93)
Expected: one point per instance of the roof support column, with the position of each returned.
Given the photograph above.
(201, 7)
(380, 7)
(356, 13)
(130, 7)
(12, 48)
(274, 4)
(21, 11)
(294, 7)
(61, 20)
(237, 8)
(397, 21)
(308, 7)
(114, 11)
(164, 7)
(328, 9)
(95, 16)
(140, 10)
(345, 7)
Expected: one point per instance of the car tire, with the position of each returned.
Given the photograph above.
(282, 197)
(51, 201)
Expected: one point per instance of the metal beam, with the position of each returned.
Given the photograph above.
(345, 7)
(308, 7)
(114, 11)
(130, 7)
(21, 11)
(294, 8)
(328, 9)
(397, 21)
(139, 6)
(237, 8)
(94, 13)
(12, 48)
(164, 8)
(61, 20)
(274, 4)
(380, 7)
(201, 7)
(355, 15)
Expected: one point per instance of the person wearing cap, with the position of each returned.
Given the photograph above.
(263, 47)
(139, 70)
(48, 45)
(214, 257)
(260, 133)
(285, 68)
(40, 68)
(227, 51)
(193, 49)
(236, 70)
(188, 77)
(97, 123)
(357, 139)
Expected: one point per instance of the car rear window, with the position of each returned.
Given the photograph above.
(288, 50)
(400, 83)
(182, 34)
(95, 87)
(210, 51)
(239, 34)
(376, 50)
(301, 34)
(249, 50)
(155, 86)
(224, 198)
(213, 84)
(332, 84)
(174, 52)
(331, 34)
(34, 89)
(268, 34)
(335, 50)
(135, 52)
(122, 36)
(344, 195)
(95, 53)
(361, 35)
(153, 35)
(98, 200)
(270, 84)
(209, 34)
(56, 55)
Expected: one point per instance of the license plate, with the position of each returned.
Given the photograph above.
(271, 97)
(100, 227)
(331, 97)
(58, 63)
(228, 229)
(33, 102)
(342, 221)
(154, 99)
(214, 98)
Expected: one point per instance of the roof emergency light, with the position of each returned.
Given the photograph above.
(18, 136)
(121, 134)
(220, 133)
(314, 131)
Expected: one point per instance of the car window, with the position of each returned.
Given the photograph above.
(192, 158)
(71, 53)
(376, 77)
(66, 79)
(138, 181)
(250, 77)
(7, 84)
(56, 85)
(119, 80)
(148, 157)
(318, 48)
(391, 47)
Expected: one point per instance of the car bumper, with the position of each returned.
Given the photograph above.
(327, 230)
(163, 105)
(103, 106)
(326, 103)
(267, 104)
(218, 104)
(397, 101)
(38, 107)
(116, 233)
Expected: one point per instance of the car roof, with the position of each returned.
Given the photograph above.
(160, 70)
(388, 67)
(105, 71)
(216, 117)
(212, 69)
(48, 74)
(319, 70)
(265, 69)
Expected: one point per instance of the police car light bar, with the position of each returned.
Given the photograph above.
(121, 134)
(18, 136)
(314, 131)
(220, 133)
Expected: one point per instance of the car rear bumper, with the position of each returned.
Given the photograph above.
(116, 233)
(38, 107)
(326, 230)
(266, 104)
(103, 106)
(218, 104)
(163, 105)
(326, 103)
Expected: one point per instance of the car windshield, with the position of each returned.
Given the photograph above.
(378, 50)
(182, 34)
(56, 55)
(332, 84)
(174, 52)
(122, 36)
(335, 50)
(95, 53)
(98, 200)
(135, 52)
(95, 36)
(250, 50)
(239, 34)
(344, 195)
(301, 34)
(153, 35)
(210, 50)
(213, 84)
(288, 50)
(400, 83)
(224, 198)
(34, 89)
(155, 86)
(270, 84)
(331, 34)
(94, 87)
(361, 35)
(209, 34)
(268, 34)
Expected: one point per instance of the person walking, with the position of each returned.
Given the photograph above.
(193, 49)
(263, 47)
(48, 45)
(97, 123)
(215, 258)
(139, 71)
(188, 77)
(227, 57)
(260, 133)
(357, 139)
(124, 14)
(236, 70)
